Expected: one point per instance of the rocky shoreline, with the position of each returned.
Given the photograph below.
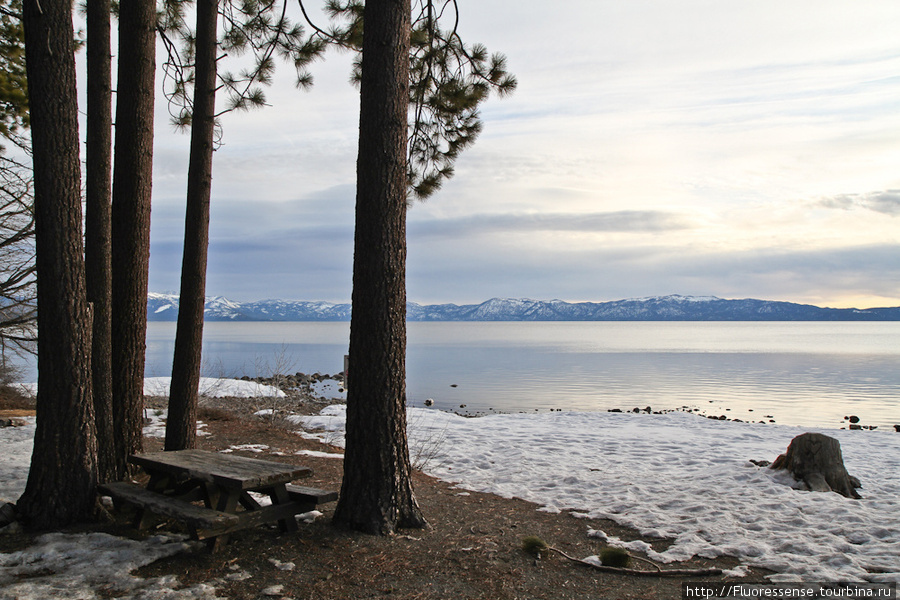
(853, 421)
(301, 386)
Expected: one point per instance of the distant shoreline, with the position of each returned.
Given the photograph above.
(164, 307)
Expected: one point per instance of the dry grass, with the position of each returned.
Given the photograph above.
(10, 399)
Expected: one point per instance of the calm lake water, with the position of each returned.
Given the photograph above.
(811, 374)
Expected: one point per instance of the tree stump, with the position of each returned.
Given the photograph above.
(816, 460)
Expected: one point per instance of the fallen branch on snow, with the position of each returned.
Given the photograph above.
(536, 545)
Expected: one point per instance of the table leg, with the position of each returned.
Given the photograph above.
(159, 482)
(279, 495)
(224, 501)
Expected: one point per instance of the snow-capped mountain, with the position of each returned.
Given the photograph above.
(164, 307)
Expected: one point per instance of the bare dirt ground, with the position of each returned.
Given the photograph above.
(471, 549)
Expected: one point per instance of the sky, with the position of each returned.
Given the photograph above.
(700, 147)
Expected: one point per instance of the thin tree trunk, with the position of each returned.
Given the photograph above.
(63, 475)
(181, 426)
(98, 186)
(376, 493)
(132, 176)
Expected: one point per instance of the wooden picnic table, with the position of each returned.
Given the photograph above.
(180, 479)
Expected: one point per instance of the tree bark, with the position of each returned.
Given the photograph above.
(98, 206)
(132, 176)
(63, 475)
(816, 460)
(376, 492)
(181, 426)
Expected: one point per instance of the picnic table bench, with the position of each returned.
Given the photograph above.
(180, 480)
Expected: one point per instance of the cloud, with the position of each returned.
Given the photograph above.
(627, 221)
(885, 202)
(477, 271)
(262, 249)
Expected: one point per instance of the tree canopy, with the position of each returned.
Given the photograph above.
(13, 85)
(449, 80)
(253, 34)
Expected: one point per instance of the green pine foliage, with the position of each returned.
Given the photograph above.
(532, 544)
(253, 34)
(449, 81)
(13, 88)
(612, 556)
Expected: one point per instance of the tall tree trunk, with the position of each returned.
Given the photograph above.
(181, 426)
(376, 493)
(132, 176)
(98, 185)
(63, 476)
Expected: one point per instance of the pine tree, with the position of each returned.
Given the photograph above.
(132, 183)
(376, 491)
(63, 475)
(97, 233)
(420, 88)
(250, 26)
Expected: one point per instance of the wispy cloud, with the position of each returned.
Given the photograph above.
(627, 221)
(886, 202)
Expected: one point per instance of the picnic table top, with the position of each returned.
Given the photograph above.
(225, 470)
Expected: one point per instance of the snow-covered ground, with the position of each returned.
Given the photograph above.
(92, 566)
(330, 389)
(677, 476)
(211, 387)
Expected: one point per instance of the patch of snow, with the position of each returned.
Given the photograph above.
(90, 566)
(318, 454)
(251, 447)
(16, 444)
(309, 517)
(273, 590)
(213, 387)
(155, 423)
(282, 566)
(330, 389)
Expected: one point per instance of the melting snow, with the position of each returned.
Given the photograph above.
(677, 476)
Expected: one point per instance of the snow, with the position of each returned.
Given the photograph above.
(15, 447)
(676, 476)
(330, 389)
(211, 387)
(92, 566)
(155, 424)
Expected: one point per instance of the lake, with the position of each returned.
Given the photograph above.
(801, 373)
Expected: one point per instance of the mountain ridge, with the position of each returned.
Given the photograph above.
(164, 307)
